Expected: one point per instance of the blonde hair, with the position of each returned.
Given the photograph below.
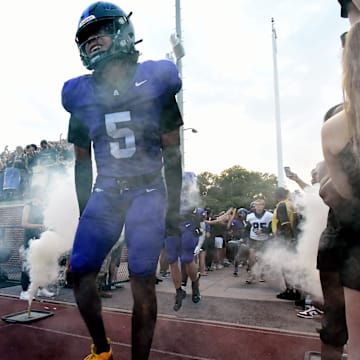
(351, 86)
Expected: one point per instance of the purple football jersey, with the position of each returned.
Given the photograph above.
(124, 126)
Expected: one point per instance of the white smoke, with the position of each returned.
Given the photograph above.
(190, 193)
(60, 218)
(300, 266)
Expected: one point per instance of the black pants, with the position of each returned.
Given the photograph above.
(25, 280)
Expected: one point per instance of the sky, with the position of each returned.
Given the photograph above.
(228, 76)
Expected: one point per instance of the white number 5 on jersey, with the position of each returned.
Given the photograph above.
(124, 146)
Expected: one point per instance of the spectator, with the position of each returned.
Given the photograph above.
(20, 163)
(283, 228)
(218, 227)
(238, 246)
(13, 185)
(209, 242)
(310, 310)
(47, 154)
(342, 159)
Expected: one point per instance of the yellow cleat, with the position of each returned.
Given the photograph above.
(102, 356)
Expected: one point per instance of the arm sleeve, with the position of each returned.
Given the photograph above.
(173, 176)
(83, 182)
(171, 118)
(78, 134)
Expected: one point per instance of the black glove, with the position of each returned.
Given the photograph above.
(172, 224)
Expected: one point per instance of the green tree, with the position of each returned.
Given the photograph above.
(236, 186)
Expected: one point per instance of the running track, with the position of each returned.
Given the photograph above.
(64, 337)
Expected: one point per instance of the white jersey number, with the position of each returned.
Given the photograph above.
(124, 146)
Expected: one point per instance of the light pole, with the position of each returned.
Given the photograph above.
(178, 51)
(277, 108)
(193, 131)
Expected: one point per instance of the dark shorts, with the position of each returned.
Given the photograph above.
(209, 243)
(332, 247)
(257, 245)
(350, 270)
(182, 247)
(339, 250)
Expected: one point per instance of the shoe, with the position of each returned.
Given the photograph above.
(235, 274)
(227, 263)
(24, 295)
(102, 356)
(104, 294)
(196, 290)
(165, 275)
(179, 297)
(261, 279)
(108, 287)
(45, 293)
(204, 273)
(310, 313)
(289, 294)
(250, 279)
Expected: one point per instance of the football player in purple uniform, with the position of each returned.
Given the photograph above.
(180, 248)
(127, 112)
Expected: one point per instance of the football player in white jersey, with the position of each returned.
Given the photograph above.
(259, 222)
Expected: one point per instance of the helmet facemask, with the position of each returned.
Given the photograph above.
(121, 32)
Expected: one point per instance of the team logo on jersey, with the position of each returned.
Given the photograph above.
(150, 190)
(137, 84)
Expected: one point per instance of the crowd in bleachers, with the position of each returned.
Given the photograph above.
(20, 168)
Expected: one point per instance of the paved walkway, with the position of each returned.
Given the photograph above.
(225, 299)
